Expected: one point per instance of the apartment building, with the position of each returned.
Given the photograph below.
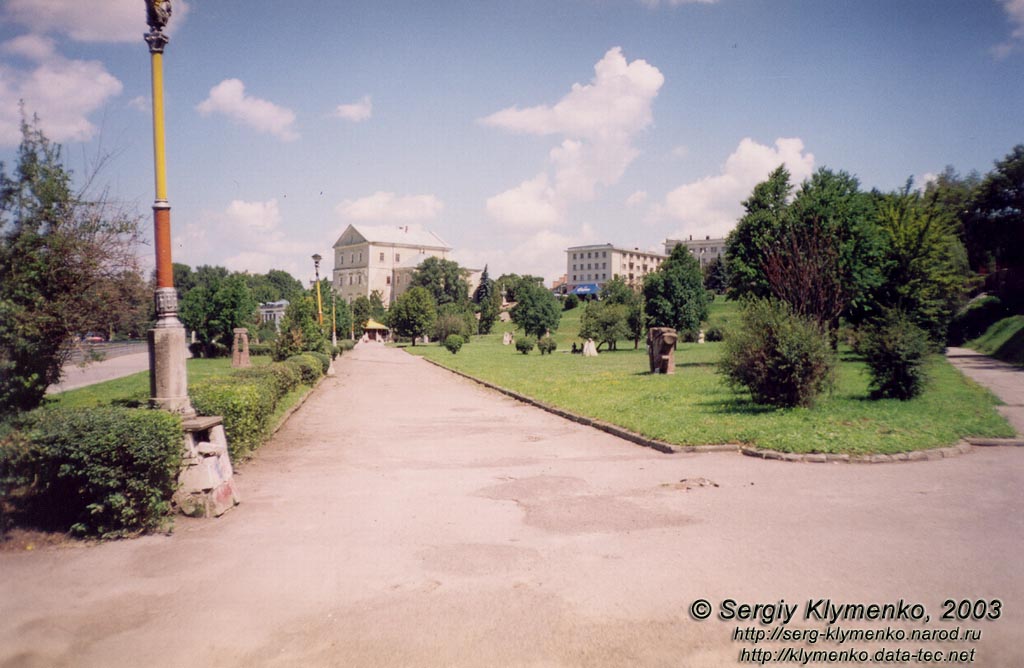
(590, 267)
(704, 250)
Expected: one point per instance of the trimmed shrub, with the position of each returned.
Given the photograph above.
(524, 344)
(780, 357)
(972, 320)
(689, 336)
(245, 404)
(570, 302)
(453, 343)
(282, 376)
(260, 349)
(325, 360)
(547, 345)
(346, 344)
(895, 350)
(309, 366)
(106, 472)
(714, 334)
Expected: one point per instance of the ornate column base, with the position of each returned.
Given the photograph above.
(168, 377)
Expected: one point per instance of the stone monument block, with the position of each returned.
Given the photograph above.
(240, 349)
(661, 346)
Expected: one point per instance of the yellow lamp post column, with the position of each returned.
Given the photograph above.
(319, 301)
(168, 380)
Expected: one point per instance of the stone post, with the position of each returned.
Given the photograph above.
(240, 349)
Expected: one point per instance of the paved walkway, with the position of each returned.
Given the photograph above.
(76, 376)
(1004, 380)
(408, 517)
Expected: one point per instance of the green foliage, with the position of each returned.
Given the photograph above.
(360, 314)
(674, 295)
(895, 349)
(537, 310)
(310, 367)
(453, 342)
(260, 349)
(780, 357)
(484, 289)
(218, 304)
(445, 280)
(713, 334)
(925, 265)
(324, 358)
(975, 318)
(605, 322)
(106, 472)
(525, 344)
(284, 377)
(490, 311)
(454, 319)
(58, 253)
(300, 330)
(413, 313)
(547, 345)
(245, 404)
(616, 291)
(994, 221)
(766, 211)
(510, 285)
(716, 275)
(570, 302)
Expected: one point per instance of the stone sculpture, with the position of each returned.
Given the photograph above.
(590, 348)
(240, 348)
(661, 345)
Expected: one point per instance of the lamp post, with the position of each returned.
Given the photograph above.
(319, 303)
(168, 382)
(334, 322)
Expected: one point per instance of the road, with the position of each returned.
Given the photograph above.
(407, 517)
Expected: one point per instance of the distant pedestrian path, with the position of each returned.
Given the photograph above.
(76, 376)
(1004, 380)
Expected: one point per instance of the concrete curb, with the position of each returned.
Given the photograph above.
(932, 454)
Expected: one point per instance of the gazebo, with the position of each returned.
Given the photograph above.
(374, 331)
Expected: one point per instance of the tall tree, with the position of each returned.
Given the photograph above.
(57, 248)
(537, 311)
(484, 289)
(674, 295)
(766, 212)
(605, 322)
(413, 313)
(360, 314)
(994, 223)
(299, 329)
(444, 279)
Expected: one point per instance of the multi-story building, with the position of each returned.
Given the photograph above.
(704, 250)
(590, 267)
(368, 258)
(273, 312)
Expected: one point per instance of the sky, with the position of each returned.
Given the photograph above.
(512, 129)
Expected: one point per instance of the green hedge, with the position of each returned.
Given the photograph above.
(325, 360)
(310, 367)
(283, 377)
(106, 472)
(260, 349)
(246, 404)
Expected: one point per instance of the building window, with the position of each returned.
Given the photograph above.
(387, 280)
(341, 258)
(604, 253)
(382, 257)
(398, 257)
(360, 257)
(359, 279)
(574, 277)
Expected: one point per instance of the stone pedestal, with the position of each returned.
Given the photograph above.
(206, 482)
(589, 348)
(661, 346)
(168, 381)
(240, 349)
(506, 339)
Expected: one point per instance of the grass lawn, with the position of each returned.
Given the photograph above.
(1003, 340)
(695, 406)
(134, 389)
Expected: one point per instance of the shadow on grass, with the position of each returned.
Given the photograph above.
(737, 405)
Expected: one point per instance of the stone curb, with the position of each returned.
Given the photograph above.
(932, 454)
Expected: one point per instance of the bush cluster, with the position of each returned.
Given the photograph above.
(106, 472)
(453, 342)
(713, 334)
(524, 344)
(781, 358)
(283, 376)
(260, 349)
(895, 350)
(547, 345)
(245, 404)
(309, 366)
(972, 321)
(570, 302)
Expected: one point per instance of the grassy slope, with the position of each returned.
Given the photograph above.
(695, 407)
(1003, 340)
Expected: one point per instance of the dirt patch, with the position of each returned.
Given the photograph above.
(27, 540)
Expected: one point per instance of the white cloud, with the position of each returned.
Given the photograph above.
(713, 204)
(637, 198)
(598, 122)
(140, 102)
(63, 92)
(357, 111)
(539, 254)
(1015, 13)
(680, 151)
(229, 98)
(388, 207)
(105, 21)
(253, 216)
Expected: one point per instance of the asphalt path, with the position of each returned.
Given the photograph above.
(408, 517)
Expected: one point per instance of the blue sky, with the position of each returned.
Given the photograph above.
(512, 129)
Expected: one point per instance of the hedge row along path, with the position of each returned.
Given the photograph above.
(407, 516)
